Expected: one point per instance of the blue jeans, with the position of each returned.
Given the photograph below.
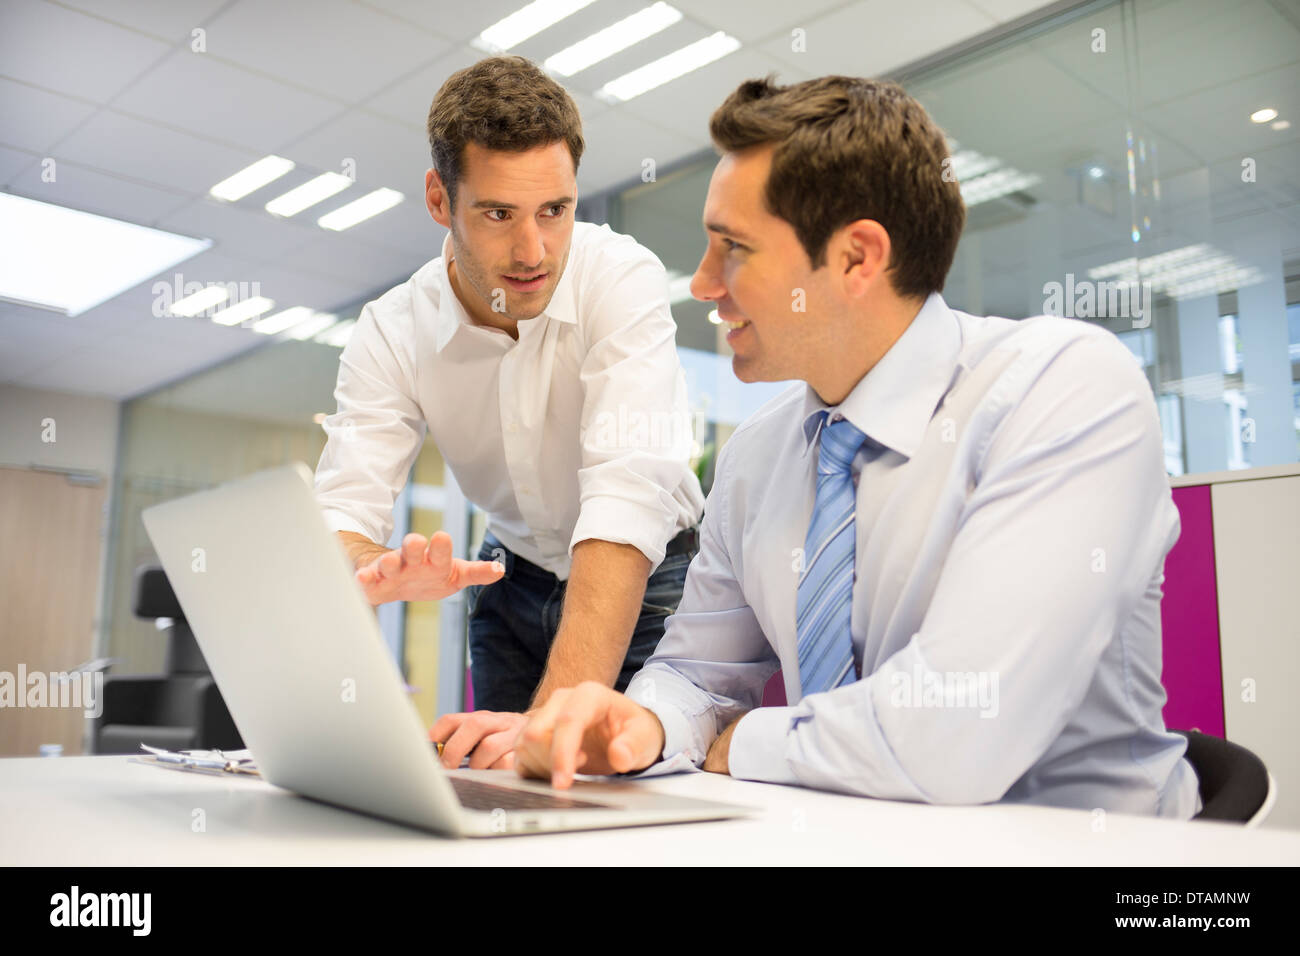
(512, 624)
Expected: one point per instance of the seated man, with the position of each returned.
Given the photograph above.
(951, 539)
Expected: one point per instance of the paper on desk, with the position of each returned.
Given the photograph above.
(243, 759)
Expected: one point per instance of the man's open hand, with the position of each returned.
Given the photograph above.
(422, 570)
(587, 729)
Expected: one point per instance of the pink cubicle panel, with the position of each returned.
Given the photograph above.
(1189, 620)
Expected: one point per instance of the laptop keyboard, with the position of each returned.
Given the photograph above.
(475, 795)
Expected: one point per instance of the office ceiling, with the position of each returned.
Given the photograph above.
(140, 126)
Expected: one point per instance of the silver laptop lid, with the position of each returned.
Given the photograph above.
(296, 649)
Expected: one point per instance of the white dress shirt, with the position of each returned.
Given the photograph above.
(1013, 515)
(580, 429)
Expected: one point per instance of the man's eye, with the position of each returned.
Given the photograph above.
(731, 245)
(557, 211)
(492, 215)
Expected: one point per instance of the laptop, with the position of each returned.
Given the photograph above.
(297, 652)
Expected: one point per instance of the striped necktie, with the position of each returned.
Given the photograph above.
(825, 594)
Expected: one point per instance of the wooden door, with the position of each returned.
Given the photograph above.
(50, 528)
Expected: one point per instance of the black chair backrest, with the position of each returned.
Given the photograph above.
(1234, 782)
(154, 598)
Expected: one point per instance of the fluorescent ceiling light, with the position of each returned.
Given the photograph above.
(1000, 182)
(242, 311)
(613, 39)
(197, 302)
(313, 326)
(66, 260)
(338, 335)
(251, 178)
(526, 22)
(308, 194)
(667, 68)
(1264, 115)
(371, 204)
(283, 320)
(1184, 273)
(968, 164)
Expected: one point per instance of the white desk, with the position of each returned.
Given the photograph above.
(74, 811)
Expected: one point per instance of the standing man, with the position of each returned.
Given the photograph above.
(539, 353)
(950, 540)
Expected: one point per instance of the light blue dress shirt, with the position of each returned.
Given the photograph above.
(1013, 516)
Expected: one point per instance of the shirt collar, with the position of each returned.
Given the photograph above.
(452, 314)
(894, 402)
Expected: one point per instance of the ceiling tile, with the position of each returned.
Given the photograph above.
(385, 153)
(238, 231)
(202, 94)
(462, 22)
(408, 227)
(617, 146)
(343, 256)
(149, 153)
(171, 22)
(874, 37)
(1006, 10)
(685, 104)
(36, 120)
(78, 187)
(13, 162)
(71, 53)
(752, 22)
(338, 49)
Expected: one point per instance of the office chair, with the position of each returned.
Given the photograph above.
(1234, 783)
(179, 709)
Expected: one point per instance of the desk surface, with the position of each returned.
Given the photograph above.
(72, 811)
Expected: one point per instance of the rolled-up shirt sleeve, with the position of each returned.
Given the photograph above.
(1055, 546)
(636, 482)
(713, 660)
(377, 431)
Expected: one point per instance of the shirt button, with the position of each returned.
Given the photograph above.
(525, 490)
(512, 428)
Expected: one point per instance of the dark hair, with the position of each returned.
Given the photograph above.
(849, 149)
(505, 103)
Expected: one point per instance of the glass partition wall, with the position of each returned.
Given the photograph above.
(1131, 164)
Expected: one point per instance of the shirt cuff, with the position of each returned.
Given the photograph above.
(678, 736)
(341, 521)
(611, 518)
(757, 750)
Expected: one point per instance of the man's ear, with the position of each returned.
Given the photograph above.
(436, 198)
(859, 253)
